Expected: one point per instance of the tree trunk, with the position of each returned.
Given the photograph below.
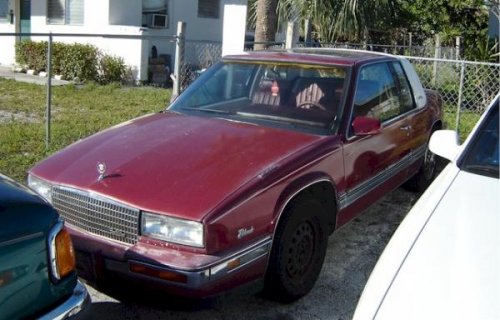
(266, 20)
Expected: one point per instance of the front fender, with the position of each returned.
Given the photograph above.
(304, 183)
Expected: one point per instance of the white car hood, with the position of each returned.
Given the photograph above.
(443, 262)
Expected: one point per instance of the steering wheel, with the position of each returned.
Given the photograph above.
(310, 105)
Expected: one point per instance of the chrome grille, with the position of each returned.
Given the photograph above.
(97, 215)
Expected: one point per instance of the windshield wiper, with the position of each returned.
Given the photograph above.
(291, 121)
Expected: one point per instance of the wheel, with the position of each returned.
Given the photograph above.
(425, 175)
(298, 250)
(310, 105)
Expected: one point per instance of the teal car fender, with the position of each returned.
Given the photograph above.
(29, 283)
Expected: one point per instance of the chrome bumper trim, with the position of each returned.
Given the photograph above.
(200, 277)
(73, 305)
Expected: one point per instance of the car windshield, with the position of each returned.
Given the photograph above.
(482, 157)
(271, 93)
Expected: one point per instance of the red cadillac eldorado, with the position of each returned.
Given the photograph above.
(244, 176)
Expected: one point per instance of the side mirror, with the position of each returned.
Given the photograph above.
(366, 126)
(444, 143)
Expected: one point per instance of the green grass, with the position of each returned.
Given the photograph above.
(467, 121)
(77, 112)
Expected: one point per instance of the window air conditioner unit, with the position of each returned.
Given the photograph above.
(158, 20)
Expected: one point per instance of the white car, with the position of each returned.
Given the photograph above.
(443, 262)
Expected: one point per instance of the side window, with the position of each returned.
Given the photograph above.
(405, 93)
(377, 93)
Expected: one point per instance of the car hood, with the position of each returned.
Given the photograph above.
(443, 261)
(172, 163)
(19, 203)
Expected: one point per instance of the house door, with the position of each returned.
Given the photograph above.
(25, 21)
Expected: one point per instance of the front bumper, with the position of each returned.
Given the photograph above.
(186, 274)
(78, 301)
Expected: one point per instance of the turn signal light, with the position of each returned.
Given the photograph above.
(65, 254)
(157, 273)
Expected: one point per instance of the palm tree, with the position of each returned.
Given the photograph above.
(331, 19)
(266, 22)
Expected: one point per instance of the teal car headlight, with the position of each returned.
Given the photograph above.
(170, 229)
(41, 187)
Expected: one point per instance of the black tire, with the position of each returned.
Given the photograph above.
(298, 250)
(426, 174)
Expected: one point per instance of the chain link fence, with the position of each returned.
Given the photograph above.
(405, 50)
(466, 87)
(197, 56)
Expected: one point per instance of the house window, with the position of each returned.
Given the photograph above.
(4, 11)
(208, 9)
(155, 14)
(65, 12)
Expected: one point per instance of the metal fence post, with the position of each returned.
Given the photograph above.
(179, 58)
(49, 90)
(460, 94)
(437, 55)
(457, 48)
(307, 33)
(365, 39)
(410, 40)
(290, 35)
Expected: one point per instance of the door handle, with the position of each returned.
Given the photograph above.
(406, 128)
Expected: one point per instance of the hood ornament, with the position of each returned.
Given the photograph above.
(101, 169)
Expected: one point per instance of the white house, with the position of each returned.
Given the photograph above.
(150, 18)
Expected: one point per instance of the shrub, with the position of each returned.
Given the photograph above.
(111, 69)
(79, 61)
(32, 54)
(83, 61)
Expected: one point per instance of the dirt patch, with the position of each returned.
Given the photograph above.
(7, 116)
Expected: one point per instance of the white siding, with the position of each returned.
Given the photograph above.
(197, 28)
(235, 17)
(125, 12)
(120, 17)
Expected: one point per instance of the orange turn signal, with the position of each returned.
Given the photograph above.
(157, 273)
(65, 254)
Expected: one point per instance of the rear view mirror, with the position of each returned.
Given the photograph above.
(366, 126)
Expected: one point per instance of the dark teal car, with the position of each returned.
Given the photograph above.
(37, 261)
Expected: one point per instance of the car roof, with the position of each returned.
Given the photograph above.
(328, 56)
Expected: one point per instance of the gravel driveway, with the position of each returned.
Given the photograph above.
(352, 252)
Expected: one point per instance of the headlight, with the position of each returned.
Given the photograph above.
(42, 187)
(170, 229)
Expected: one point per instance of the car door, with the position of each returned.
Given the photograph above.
(375, 163)
(419, 120)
